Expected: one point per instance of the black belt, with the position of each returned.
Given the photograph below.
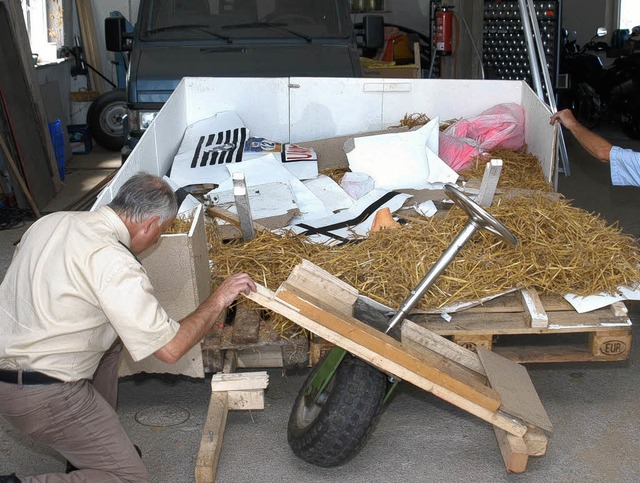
(26, 377)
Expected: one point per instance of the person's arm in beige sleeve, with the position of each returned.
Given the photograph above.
(593, 143)
(195, 326)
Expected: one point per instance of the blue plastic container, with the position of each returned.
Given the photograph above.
(80, 138)
(57, 140)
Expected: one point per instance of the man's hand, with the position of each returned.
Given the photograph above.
(196, 325)
(566, 118)
(232, 286)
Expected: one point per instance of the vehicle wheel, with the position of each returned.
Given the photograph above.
(105, 119)
(587, 105)
(334, 429)
(630, 118)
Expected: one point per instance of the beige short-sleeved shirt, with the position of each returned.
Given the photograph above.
(72, 288)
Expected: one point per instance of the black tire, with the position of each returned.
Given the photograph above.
(630, 117)
(105, 119)
(332, 432)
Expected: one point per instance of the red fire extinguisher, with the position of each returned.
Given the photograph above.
(444, 30)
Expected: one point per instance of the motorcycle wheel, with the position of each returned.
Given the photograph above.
(332, 430)
(105, 119)
(587, 105)
(630, 118)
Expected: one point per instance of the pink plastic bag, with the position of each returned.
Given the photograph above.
(456, 152)
(501, 126)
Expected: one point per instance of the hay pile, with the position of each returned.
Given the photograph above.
(563, 249)
(519, 170)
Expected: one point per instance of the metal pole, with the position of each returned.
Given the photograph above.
(548, 85)
(533, 63)
(439, 267)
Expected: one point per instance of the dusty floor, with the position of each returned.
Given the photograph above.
(593, 406)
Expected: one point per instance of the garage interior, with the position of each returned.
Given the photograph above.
(419, 437)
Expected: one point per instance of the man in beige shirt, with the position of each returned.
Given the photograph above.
(74, 294)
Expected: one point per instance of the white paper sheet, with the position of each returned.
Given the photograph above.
(335, 199)
(265, 200)
(340, 234)
(405, 160)
(268, 169)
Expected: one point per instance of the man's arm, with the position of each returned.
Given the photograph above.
(195, 326)
(593, 143)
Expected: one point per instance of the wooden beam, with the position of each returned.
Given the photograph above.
(416, 335)
(211, 441)
(535, 314)
(90, 44)
(489, 182)
(513, 449)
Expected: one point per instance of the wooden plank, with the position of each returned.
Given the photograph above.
(211, 441)
(436, 369)
(268, 299)
(232, 218)
(513, 449)
(260, 357)
(324, 286)
(536, 441)
(535, 313)
(244, 381)
(246, 400)
(26, 131)
(90, 44)
(615, 343)
(519, 397)
(489, 182)
(413, 333)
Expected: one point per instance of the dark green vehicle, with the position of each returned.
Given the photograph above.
(173, 39)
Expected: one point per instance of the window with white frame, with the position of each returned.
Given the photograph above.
(629, 14)
(43, 19)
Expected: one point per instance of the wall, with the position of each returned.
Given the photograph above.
(585, 17)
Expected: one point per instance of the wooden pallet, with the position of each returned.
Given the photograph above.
(256, 342)
(525, 327)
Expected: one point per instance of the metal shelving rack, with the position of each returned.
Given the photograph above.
(504, 46)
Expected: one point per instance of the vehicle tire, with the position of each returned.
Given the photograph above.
(105, 119)
(587, 105)
(334, 430)
(630, 118)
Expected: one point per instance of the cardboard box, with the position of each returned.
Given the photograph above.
(410, 71)
(178, 267)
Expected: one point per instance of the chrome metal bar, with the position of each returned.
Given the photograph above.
(533, 63)
(435, 271)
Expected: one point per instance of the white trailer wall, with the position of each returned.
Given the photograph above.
(304, 109)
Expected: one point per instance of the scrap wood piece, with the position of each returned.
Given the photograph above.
(518, 395)
(232, 218)
(513, 449)
(213, 431)
(535, 314)
(416, 335)
(339, 331)
(489, 182)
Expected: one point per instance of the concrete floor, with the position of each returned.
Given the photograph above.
(419, 438)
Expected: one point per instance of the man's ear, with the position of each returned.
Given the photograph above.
(150, 223)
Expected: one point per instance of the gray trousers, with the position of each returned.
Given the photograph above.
(78, 420)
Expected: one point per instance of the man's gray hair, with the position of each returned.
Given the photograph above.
(144, 196)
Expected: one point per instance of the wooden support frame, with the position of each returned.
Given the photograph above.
(229, 391)
(486, 385)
